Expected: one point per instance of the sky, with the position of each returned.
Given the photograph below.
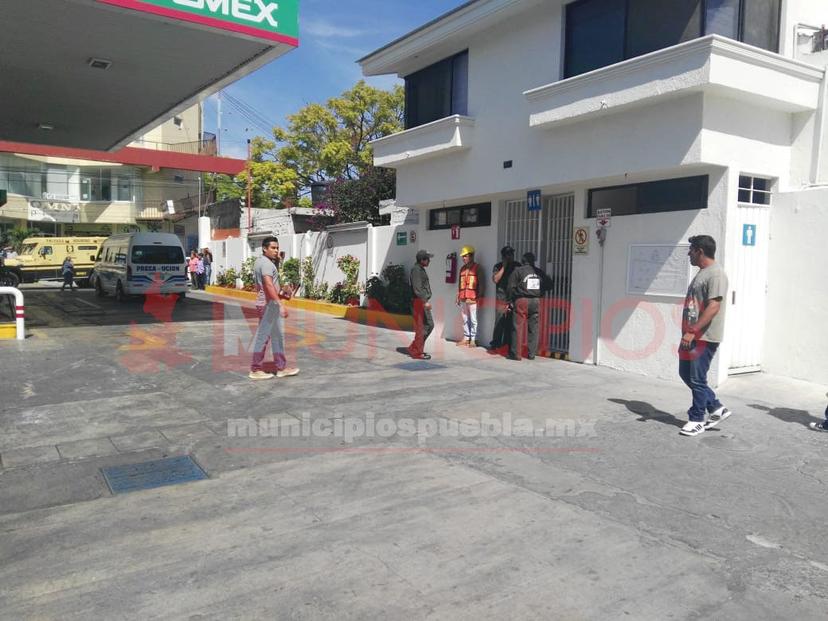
(333, 34)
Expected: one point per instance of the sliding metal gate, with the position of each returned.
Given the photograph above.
(547, 233)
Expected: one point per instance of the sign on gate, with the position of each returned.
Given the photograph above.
(533, 200)
(402, 238)
(748, 234)
(580, 240)
(455, 231)
(604, 218)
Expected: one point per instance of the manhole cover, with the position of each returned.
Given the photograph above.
(419, 366)
(151, 474)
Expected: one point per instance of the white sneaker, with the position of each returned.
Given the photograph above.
(717, 416)
(260, 375)
(692, 428)
(287, 372)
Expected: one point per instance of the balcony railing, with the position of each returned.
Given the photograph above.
(206, 146)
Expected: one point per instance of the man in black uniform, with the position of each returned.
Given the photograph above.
(503, 318)
(526, 285)
(421, 307)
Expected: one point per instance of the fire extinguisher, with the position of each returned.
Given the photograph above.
(451, 268)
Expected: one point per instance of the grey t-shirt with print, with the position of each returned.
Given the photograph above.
(261, 268)
(708, 284)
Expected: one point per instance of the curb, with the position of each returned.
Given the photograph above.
(381, 319)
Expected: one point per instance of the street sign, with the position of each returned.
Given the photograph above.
(455, 231)
(749, 235)
(580, 240)
(533, 200)
(412, 237)
(402, 238)
(604, 218)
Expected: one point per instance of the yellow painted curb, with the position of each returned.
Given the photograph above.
(8, 331)
(392, 321)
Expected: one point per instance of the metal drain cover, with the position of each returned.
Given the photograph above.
(151, 474)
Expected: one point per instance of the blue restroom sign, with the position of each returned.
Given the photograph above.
(748, 234)
(533, 200)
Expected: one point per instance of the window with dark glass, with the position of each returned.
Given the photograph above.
(147, 255)
(604, 32)
(479, 214)
(754, 190)
(682, 194)
(437, 91)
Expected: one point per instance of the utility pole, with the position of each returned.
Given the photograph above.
(218, 134)
(249, 189)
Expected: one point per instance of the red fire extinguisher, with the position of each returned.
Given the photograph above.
(451, 268)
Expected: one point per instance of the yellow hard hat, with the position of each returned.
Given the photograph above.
(467, 250)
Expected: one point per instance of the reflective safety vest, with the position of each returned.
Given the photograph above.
(468, 282)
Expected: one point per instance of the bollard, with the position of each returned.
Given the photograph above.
(19, 310)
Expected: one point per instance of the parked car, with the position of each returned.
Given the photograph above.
(140, 263)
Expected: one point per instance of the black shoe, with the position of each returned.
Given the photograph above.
(531, 356)
(422, 357)
(511, 357)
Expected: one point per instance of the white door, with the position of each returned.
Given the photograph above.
(748, 288)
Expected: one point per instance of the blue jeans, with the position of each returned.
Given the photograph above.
(693, 367)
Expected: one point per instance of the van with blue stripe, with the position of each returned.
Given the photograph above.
(140, 263)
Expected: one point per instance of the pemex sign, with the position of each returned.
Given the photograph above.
(262, 19)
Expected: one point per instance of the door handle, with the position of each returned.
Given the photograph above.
(733, 295)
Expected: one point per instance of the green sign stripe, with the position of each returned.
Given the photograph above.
(269, 16)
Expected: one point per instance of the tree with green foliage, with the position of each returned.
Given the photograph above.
(331, 141)
(274, 185)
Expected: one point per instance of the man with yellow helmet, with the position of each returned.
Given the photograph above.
(468, 293)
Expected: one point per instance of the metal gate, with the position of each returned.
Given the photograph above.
(547, 233)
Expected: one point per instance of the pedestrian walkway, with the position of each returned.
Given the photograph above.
(609, 512)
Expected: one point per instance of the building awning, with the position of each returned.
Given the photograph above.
(96, 74)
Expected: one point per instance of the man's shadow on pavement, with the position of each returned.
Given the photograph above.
(787, 415)
(648, 412)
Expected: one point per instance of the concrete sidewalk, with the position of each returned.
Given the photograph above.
(609, 514)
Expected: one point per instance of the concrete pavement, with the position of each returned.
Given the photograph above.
(609, 514)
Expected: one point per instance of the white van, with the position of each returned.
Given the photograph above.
(140, 263)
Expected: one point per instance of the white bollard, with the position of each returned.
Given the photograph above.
(19, 310)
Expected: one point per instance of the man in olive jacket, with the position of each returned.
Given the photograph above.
(421, 307)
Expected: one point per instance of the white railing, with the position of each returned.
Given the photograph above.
(19, 310)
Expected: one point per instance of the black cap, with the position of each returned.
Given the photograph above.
(423, 254)
(507, 250)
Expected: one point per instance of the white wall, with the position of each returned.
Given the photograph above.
(796, 337)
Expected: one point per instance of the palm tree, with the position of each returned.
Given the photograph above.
(18, 235)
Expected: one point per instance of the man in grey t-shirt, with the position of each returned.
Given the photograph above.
(702, 329)
(271, 313)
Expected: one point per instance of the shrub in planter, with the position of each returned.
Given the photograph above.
(397, 289)
(227, 278)
(291, 273)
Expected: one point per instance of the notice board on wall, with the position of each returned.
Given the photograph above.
(658, 270)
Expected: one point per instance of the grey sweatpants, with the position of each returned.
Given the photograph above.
(269, 331)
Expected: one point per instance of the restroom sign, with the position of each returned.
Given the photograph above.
(748, 234)
(533, 200)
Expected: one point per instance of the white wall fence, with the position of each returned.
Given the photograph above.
(796, 339)
(375, 247)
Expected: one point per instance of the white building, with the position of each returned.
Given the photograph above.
(681, 117)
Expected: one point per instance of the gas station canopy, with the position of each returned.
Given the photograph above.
(95, 74)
